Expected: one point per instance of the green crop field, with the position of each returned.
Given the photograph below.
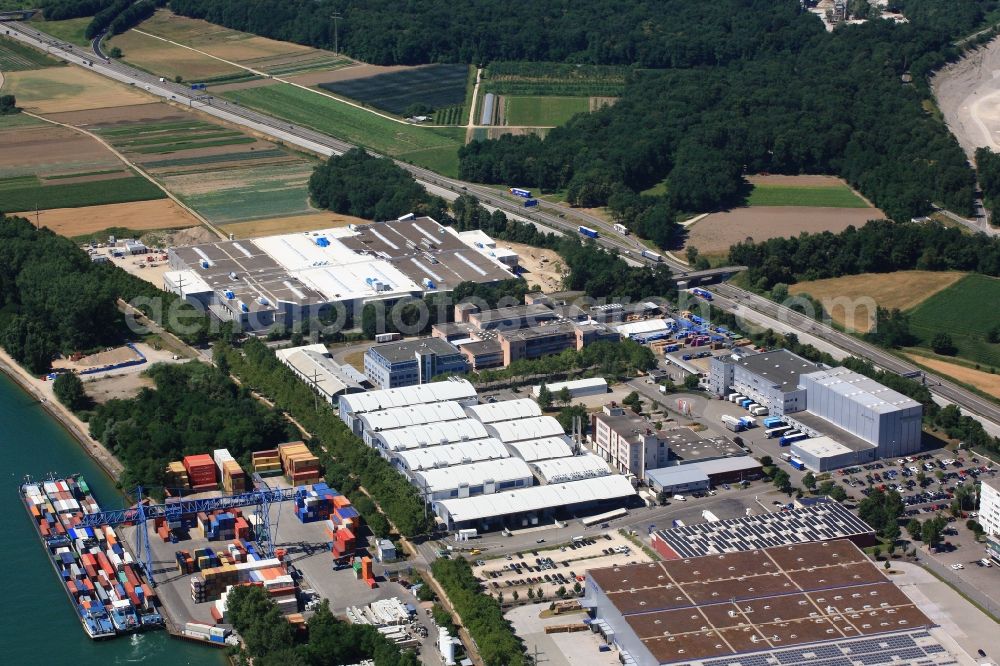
(436, 86)
(836, 196)
(70, 30)
(966, 311)
(18, 120)
(16, 57)
(325, 114)
(543, 111)
(172, 136)
(554, 78)
(27, 192)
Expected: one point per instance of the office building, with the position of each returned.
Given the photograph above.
(411, 362)
(577, 388)
(822, 602)
(989, 506)
(627, 441)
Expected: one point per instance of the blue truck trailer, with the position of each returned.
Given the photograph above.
(588, 232)
(518, 192)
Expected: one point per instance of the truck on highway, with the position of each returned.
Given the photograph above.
(622, 229)
(652, 256)
(588, 232)
(701, 293)
(518, 192)
(529, 203)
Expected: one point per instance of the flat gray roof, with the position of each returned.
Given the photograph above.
(688, 446)
(669, 476)
(834, 432)
(781, 367)
(404, 350)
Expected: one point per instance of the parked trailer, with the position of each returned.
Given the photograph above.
(745, 402)
(622, 229)
(773, 421)
(387, 337)
(797, 464)
(777, 431)
(732, 397)
(518, 192)
(786, 456)
(588, 232)
(652, 256)
(709, 516)
(701, 293)
(748, 421)
(760, 410)
(678, 523)
(736, 397)
(733, 423)
(604, 517)
(789, 439)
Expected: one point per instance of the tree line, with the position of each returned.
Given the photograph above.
(54, 299)
(877, 247)
(194, 409)
(988, 168)
(347, 461)
(268, 639)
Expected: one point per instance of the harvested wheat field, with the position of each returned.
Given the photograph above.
(150, 112)
(61, 89)
(715, 233)
(984, 381)
(857, 293)
(157, 214)
(291, 224)
(170, 60)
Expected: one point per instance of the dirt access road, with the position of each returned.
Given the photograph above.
(968, 94)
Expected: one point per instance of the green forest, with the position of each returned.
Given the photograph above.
(716, 91)
(194, 409)
(54, 299)
(880, 246)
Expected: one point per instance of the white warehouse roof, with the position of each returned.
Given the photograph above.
(544, 448)
(862, 390)
(537, 498)
(507, 410)
(473, 474)
(326, 376)
(593, 383)
(453, 389)
(821, 447)
(432, 434)
(402, 417)
(448, 455)
(572, 468)
(644, 326)
(535, 427)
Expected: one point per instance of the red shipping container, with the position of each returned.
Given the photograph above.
(131, 577)
(102, 559)
(147, 592)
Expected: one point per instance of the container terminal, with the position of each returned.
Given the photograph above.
(99, 576)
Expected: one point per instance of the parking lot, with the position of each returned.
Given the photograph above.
(548, 569)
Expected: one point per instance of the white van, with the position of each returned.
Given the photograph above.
(680, 498)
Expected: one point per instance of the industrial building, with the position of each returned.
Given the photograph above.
(390, 442)
(572, 468)
(497, 338)
(412, 362)
(314, 365)
(687, 447)
(989, 506)
(819, 602)
(281, 279)
(470, 480)
(820, 521)
(504, 410)
(577, 388)
(352, 407)
(677, 479)
(854, 419)
(627, 441)
(771, 379)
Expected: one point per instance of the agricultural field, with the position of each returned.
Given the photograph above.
(432, 86)
(903, 290)
(812, 191)
(169, 60)
(16, 57)
(70, 30)
(716, 233)
(223, 174)
(139, 215)
(550, 78)
(542, 111)
(292, 224)
(966, 311)
(434, 148)
(47, 166)
(986, 382)
(245, 50)
(61, 89)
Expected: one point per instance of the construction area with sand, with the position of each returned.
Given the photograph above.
(849, 300)
(984, 381)
(716, 233)
(137, 215)
(60, 89)
(968, 94)
(544, 268)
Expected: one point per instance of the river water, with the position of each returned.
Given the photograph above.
(37, 623)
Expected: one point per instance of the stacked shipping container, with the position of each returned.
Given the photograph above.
(300, 465)
(201, 472)
(177, 476)
(233, 479)
(266, 463)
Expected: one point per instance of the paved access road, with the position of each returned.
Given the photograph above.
(729, 296)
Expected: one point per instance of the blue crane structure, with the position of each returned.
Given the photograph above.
(262, 496)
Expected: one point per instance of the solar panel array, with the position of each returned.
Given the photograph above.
(820, 522)
(917, 648)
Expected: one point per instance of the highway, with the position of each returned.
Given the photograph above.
(548, 214)
(729, 296)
